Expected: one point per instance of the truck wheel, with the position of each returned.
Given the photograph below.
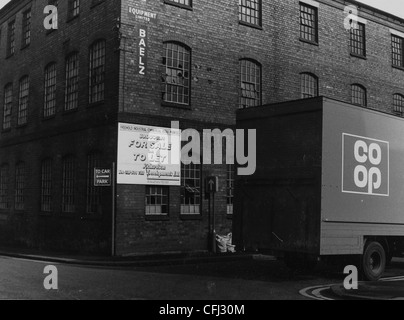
(373, 261)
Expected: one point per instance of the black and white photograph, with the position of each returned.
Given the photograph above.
(201, 158)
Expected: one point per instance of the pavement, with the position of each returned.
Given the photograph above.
(173, 258)
(391, 289)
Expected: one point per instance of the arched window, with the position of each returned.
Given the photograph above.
(4, 175)
(23, 98)
(68, 183)
(358, 93)
(72, 81)
(308, 85)
(398, 103)
(250, 84)
(8, 104)
(50, 90)
(177, 60)
(20, 182)
(97, 72)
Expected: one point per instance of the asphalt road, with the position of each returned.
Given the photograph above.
(236, 280)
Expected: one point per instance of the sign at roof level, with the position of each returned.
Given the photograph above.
(143, 14)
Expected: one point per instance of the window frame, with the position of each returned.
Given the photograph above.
(23, 101)
(241, 15)
(301, 25)
(8, 106)
(26, 28)
(398, 109)
(357, 85)
(175, 3)
(169, 71)
(69, 181)
(20, 186)
(46, 186)
(72, 80)
(72, 11)
(257, 66)
(163, 196)
(355, 39)
(97, 96)
(191, 189)
(49, 109)
(4, 186)
(306, 94)
(400, 54)
(11, 39)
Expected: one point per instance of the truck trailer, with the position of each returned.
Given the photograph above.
(329, 184)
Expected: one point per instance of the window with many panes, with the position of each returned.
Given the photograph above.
(358, 93)
(23, 100)
(250, 91)
(97, 72)
(72, 82)
(26, 28)
(190, 188)
(8, 104)
(156, 200)
(19, 186)
(11, 38)
(249, 12)
(181, 3)
(68, 183)
(93, 192)
(50, 90)
(397, 51)
(4, 174)
(74, 8)
(398, 103)
(308, 23)
(358, 40)
(46, 185)
(230, 188)
(177, 73)
(308, 85)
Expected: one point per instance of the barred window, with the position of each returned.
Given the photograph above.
(397, 51)
(11, 38)
(46, 185)
(230, 188)
(97, 72)
(8, 104)
(359, 95)
(250, 91)
(4, 172)
(26, 28)
(68, 184)
(308, 23)
(156, 200)
(74, 8)
(250, 11)
(190, 188)
(177, 78)
(185, 3)
(50, 90)
(19, 186)
(398, 103)
(358, 40)
(308, 85)
(72, 82)
(93, 193)
(23, 100)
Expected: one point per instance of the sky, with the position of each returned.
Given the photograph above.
(395, 7)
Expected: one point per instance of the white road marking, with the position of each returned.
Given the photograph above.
(315, 292)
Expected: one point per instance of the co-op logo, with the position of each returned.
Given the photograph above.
(365, 165)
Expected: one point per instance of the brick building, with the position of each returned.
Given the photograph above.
(149, 62)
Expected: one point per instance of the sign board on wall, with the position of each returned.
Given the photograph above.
(142, 14)
(102, 177)
(148, 155)
(142, 49)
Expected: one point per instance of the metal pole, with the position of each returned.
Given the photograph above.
(113, 208)
(213, 224)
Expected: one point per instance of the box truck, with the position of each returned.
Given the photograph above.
(329, 183)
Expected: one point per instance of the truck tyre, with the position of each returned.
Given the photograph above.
(373, 261)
